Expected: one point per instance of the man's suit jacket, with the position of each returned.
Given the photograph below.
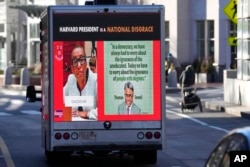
(122, 109)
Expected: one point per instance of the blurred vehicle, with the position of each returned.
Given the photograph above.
(236, 140)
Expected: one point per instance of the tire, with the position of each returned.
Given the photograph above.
(101, 152)
(51, 156)
(145, 156)
(54, 157)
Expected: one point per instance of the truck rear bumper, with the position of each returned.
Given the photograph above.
(112, 147)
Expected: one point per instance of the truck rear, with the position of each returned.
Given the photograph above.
(103, 80)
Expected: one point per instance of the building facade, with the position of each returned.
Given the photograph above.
(237, 82)
(195, 29)
(19, 31)
(199, 30)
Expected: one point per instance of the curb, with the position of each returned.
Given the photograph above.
(232, 109)
(222, 106)
(245, 115)
(176, 90)
(229, 108)
(18, 87)
(14, 87)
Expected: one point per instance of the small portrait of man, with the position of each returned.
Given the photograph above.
(128, 106)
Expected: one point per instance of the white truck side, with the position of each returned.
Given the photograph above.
(127, 46)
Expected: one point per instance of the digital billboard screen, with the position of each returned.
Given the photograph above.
(106, 66)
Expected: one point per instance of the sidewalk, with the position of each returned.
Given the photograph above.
(211, 94)
(212, 97)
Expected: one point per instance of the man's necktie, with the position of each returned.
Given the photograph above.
(127, 110)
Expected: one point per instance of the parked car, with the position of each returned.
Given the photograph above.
(236, 140)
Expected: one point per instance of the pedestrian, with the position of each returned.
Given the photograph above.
(177, 65)
(187, 78)
(172, 76)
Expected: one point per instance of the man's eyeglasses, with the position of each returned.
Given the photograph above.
(128, 95)
(81, 60)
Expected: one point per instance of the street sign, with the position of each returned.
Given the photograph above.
(231, 11)
(232, 41)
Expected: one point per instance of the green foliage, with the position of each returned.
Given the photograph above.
(16, 71)
(35, 70)
(167, 66)
(205, 65)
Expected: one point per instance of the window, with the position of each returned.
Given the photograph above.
(167, 36)
(34, 30)
(2, 42)
(205, 38)
(1, 27)
(166, 29)
(210, 29)
(210, 38)
(200, 29)
(200, 38)
(233, 48)
(24, 34)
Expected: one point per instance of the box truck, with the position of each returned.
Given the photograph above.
(102, 80)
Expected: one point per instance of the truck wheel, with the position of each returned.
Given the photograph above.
(55, 157)
(145, 156)
(101, 152)
(51, 156)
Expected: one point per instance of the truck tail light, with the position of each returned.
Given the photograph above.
(58, 136)
(66, 135)
(157, 135)
(149, 135)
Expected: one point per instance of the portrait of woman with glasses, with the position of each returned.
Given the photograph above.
(80, 88)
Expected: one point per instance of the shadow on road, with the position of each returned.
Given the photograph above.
(112, 160)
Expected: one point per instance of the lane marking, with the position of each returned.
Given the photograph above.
(31, 112)
(14, 104)
(197, 121)
(170, 106)
(27, 112)
(4, 114)
(13, 93)
(6, 154)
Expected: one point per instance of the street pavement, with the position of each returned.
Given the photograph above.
(212, 98)
(211, 95)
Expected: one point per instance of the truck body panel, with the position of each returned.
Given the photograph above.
(127, 45)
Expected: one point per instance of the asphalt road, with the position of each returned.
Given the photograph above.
(190, 136)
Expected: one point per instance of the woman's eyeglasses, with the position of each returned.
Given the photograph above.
(81, 60)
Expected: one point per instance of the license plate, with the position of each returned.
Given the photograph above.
(87, 135)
